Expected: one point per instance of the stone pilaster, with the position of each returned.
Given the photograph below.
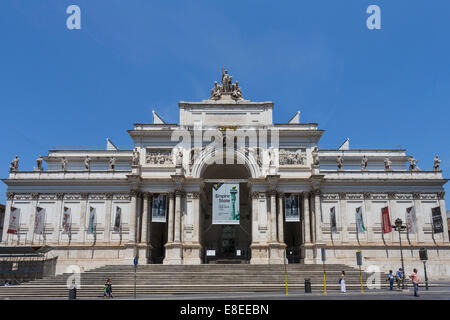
(260, 250)
(344, 217)
(145, 211)
(444, 216)
(317, 215)
(34, 202)
(306, 219)
(170, 218)
(419, 218)
(191, 244)
(393, 236)
(174, 249)
(280, 218)
(133, 217)
(60, 210)
(9, 202)
(83, 209)
(368, 213)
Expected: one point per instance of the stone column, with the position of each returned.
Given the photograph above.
(273, 216)
(108, 210)
(312, 206)
(254, 196)
(144, 239)
(419, 218)
(34, 202)
(191, 243)
(368, 213)
(317, 214)
(444, 216)
(171, 218)
(260, 250)
(133, 217)
(393, 236)
(177, 231)
(280, 219)
(83, 208)
(306, 221)
(344, 217)
(174, 249)
(60, 210)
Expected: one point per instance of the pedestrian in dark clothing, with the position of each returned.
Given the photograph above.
(399, 277)
(109, 288)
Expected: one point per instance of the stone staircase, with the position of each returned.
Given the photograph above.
(180, 279)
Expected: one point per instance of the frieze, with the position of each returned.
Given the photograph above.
(121, 196)
(355, 196)
(391, 196)
(10, 195)
(97, 196)
(60, 196)
(428, 196)
(159, 156)
(330, 196)
(441, 195)
(403, 196)
(367, 195)
(109, 196)
(35, 196)
(84, 195)
(379, 196)
(23, 197)
(48, 197)
(416, 196)
(72, 196)
(292, 157)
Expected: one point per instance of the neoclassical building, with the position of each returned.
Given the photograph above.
(156, 200)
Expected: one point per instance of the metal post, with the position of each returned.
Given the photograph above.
(324, 279)
(360, 279)
(135, 268)
(285, 273)
(401, 257)
(426, 278)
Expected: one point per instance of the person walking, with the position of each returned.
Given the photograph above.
(391, 280)
(109, 288)
(342, 282)
(105, 289)
(415, 280)
(399, 277)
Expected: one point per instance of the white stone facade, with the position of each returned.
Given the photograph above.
(183, 239)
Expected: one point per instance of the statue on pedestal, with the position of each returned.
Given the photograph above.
(413, 164)
(226, 88)
(364, 163)
(112, 163)
(14, 167)
(339, 162)
(387, 164)
(64, 164)
(216, 92)
(315, 156)
(135, 160)
(179, 157)
(39, 163)
(437, 164)
(87, 163)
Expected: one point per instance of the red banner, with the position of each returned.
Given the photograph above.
(386, 222)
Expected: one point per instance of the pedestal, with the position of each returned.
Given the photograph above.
(173, 253)
(260, 254)
(276, 253)
(192, 253)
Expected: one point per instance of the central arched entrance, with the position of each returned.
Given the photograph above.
(226, 243)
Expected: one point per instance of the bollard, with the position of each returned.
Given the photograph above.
(73, 294)
(307, 285)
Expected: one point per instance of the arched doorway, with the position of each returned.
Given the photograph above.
(223, 242)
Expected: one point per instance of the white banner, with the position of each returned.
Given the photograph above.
(291, 208)
(159, 208)
(411, 222)
(39, 220)
(14, 220)
(226, 203)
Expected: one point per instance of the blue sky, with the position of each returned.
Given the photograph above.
(61, 88)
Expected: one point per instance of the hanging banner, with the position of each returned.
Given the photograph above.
(291, 208)
(92, 218)
(39, 220)
(438, 225)
(226, 203)
(411, 221)
(385, 220)
(333, 224)
(67, 220)
(159, 208)
(117, 219)
(14, 220)
(359, 221)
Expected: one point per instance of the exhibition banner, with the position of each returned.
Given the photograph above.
(225, 203)
(92, 218)
(67, 220)
(438, 225)
(14, 220)
(333, 224)
(291, 208)
(117, 219)
(359, 221)
(385, 220)
(411, 221)
(39, 220)
(159, 208)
